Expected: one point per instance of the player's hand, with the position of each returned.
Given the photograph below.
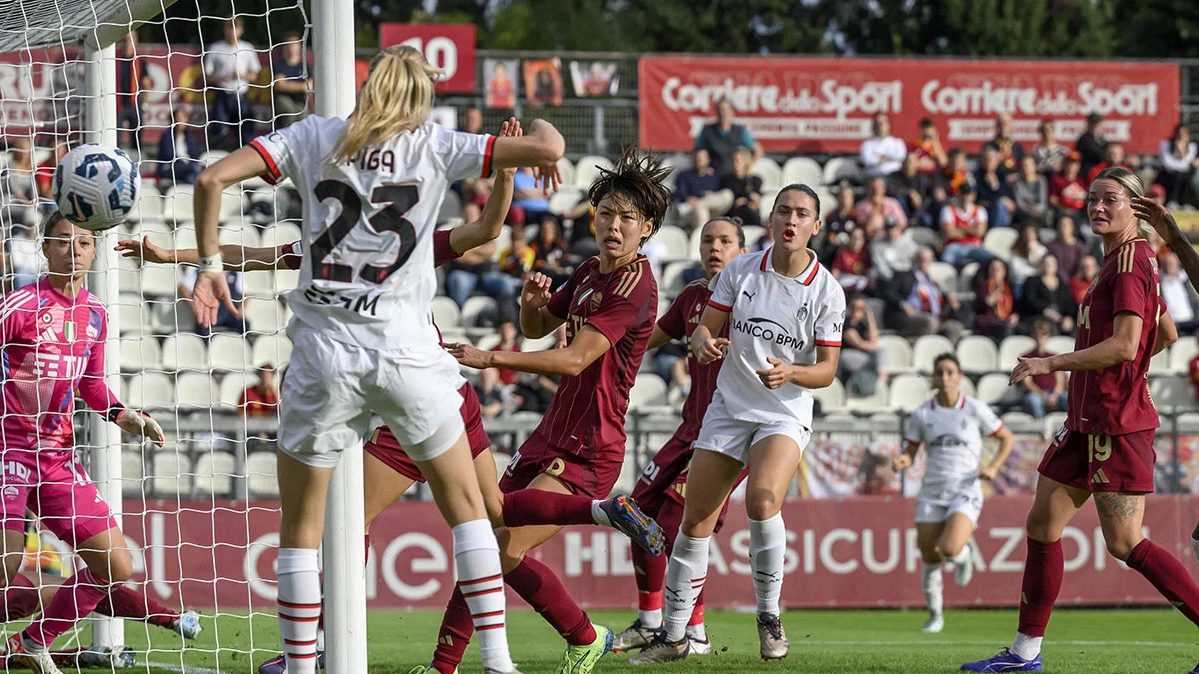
(145, 250)
(548, 177)
(141, 425)
(988, 473)
(1156, 215)
(902, 461)
(469, 356)
(536, 293)
(510, 129)
(1029, 367)
(780, 372)
(709, 349)
(211, 290)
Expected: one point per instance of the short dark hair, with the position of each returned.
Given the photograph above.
(639, 178)
(947, 356)
(800, 187)
(732, 220)
(51, 221)
(926, 122)
(1042, 325)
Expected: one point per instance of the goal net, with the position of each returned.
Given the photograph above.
(201, 513)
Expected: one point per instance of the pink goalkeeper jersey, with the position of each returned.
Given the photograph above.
(52, 346)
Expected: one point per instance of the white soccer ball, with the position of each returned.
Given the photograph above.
(95, 186)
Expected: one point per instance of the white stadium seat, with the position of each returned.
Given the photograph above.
(899, 353)
(170, 473)
(446, 314)
(842, 168)
(675, 241)
(274, 349)
(539, 344)
(150, 390)
(879, 402)
(227, 351)
(244, 235)
(196, 390)
(266, 316)
(944, 275)
(926, 349)
(261, 476)
(566, 171)
(769, 171)
(1061, 344)
(648, 391)
(132, 473)
(993, 387)
(184, 351)
(1170, 393)
(977, 354)
(1160, 364)
(281, 234)
(1181, 354)
(909, 391)
(831, 397)
(214, 474)
(588, 169)
(475, 308)
(803, 170)
(999, 240)
(1012, 348)
(159, 281)
(142, 352)
(232, 386)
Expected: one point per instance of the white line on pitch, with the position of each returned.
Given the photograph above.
(997, 643)
(185, 669)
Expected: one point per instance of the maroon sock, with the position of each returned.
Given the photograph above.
(534, 506)
(1043, 571)
(453, 635)
(21, 599)
(1168, 575)
(650, 571)
(538, 586)
(125, 602)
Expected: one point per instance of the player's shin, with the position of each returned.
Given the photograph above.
(477, 559)
(932, 583)
(1043, 572)
(767, 549)
(299, 607)
(685, 576)
(1168, 575)
(77, 597)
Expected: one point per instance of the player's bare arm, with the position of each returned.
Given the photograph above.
(541, 148)
(658, 338)
(536, 320)
(234, 257)
(818, 375)
(588, 345)
(1121, 347)
(1163, 221)
(703, 345)
(1006, 442)
(1167, 333)
(904, 459)
(491, 222)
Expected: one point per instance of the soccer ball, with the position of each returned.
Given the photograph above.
(95, 186)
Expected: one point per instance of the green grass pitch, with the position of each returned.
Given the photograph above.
(1153, 641)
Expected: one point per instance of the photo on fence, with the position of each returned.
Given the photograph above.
(595, 79)
(543, 82)
(499, 84)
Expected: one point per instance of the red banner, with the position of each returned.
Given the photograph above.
(818, 105)
(449, 46)
(858, 552)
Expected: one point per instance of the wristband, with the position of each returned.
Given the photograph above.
(113, 412)
(211, 264)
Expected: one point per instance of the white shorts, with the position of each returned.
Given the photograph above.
(331, 388)
(723, 433)
(937, 505)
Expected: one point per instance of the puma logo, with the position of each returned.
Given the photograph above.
(749, 295)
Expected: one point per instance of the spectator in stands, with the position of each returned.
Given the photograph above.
(1090, 145)
(497, 387)
(723, 138)
(1067, 192)
(1088, 269)
(745, 188)
(1113, 155)
(1179, 157)
(851, 266)
(292, 82)
(527, 197)
(132, 79)
(994, 303)
(1193, 370)
(994, 192)
(1046, 392)
(473, 120)
(261, 399)
(892, 251)
(837, 225)
(930, 155)
(43, 176)
(881, 153)
(1005, 144)
(699, 192)
(178, 152)
(20, 192)
(1068, 250)
(765, 241)
(956, 174)
(1049, 154)
(1047, 298)
(914, 304)
(878, 209)
(224, 319)
(912, 189)
(963, 226)
(472, 272)
(22, 253)
(861, 365)
(1026, 255)
(1030, 193)
(230, 65)
(551, 255)
(1177, 293)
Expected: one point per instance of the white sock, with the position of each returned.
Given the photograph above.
(767, 548)
(1027, 647)
(697, 632)
(299, 607)
(598, 514)
(685, 576)
(933, 584)
(477, 560)
(650, 619)
(960, 558)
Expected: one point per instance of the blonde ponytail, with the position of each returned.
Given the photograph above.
(397, 96)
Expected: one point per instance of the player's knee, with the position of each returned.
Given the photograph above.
(494, 504)
(761, 504)
(1120, 546)
(949, 549)
(1040, 527)
(118, 567)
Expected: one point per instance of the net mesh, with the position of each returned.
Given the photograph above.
(200, 514)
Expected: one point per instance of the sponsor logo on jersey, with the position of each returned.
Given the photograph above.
(596, 299)
(748, 295)
(947, 440)
(769, 330)
(11, 493)
(366, 303)
(803, 313)
(15, 471)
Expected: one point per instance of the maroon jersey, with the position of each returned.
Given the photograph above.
(1115, 400)
(680, 321)
(588, 410)
(443, 252)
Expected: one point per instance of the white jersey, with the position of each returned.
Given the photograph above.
(779, 316)
(953, 439)
(367, 273)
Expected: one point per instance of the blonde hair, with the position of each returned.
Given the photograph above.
(396, 97)
(1133, 186)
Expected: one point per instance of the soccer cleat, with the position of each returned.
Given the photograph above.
(697, 646)
(485, 671)
(278, 665)
(934, 625)
(103, 656)
(187, 625)
(635, 636)
(582, 659)
(41, 662)
(772, 638)
(661, 650)
(1195, 670)
(1004, 661)
(623, 513)
(963, 572)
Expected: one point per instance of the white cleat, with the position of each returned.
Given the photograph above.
(40, 662)
(697, 646)
(772, 638)
(964, 572)
(934, 625)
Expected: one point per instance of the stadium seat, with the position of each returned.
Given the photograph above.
(266, 316)
(539, 344)
(134, 316)
(159, 280)
(842, 168)
(672, 279)
(183, 237)
(261, 478)
(1160, 363)
(282, 233)
(999, 241)
(285, 280)
(150, 390)
(196, 391)
(767, 204)
(565, 199)
(927, 348)
(966, 277)
(179, 206)
(923, 236)
(170, 474)
(1018, 421)
(133, 473)
(184, 351)
(967, 387)
(977, 354)
(228, 352)
(675, 242)
(232, 201)
(831, 397)
(488, 342)
(993, 387)
(752, 236)
(239, 234)
(129, 276)
(909, 391)
(1181, 354)
(944, 275)
(451, 208)
(879, 402)
(149, 203)
(232, 386)
(802, 170)
(142, 352)
(898, 353)
(1172, 393)
(274, 349)
(446, 313)
(566, 171)
(648, 391)
(214, 473)
(1060, 344)
(1054, 422)
(769, 171)
(588, 169)
(1012, 348)
(475, 309)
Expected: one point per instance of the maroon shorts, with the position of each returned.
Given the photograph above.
(384, 446)
(661, 473)
(1116, 463)
(590, 473)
